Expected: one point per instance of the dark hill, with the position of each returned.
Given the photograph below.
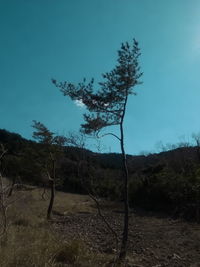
(168, 181)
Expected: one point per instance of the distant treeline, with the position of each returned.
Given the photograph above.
(168, 181)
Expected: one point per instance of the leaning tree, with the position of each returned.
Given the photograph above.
(107, 107)
(52, 147)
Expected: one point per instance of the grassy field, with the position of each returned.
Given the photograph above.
(76, 235)
(33, 241)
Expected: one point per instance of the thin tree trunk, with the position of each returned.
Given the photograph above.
(52, 186)
(12, 186)
(44, 192)
(3, 208)
(198, 205)
(123, 250)
(4, 220)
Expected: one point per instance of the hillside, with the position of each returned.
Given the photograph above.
(168, 181)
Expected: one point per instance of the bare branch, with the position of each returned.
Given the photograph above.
(105, 220)
(108, 134)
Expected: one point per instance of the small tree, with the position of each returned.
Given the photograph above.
(196, 138)
(5, 199)
(107, 107)
(48, 139)
(3, 194)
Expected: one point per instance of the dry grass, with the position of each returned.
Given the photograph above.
(30, 206)
(31, 246)
(32, 241)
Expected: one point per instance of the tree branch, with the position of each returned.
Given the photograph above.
(109, 134)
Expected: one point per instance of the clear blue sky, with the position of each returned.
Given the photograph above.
(72, 39)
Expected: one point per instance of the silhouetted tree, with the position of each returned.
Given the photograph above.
(46, 137)
(107, 107)
(5, 200)
(42, 134)
(196, 138)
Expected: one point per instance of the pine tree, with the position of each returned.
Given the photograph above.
(46, 137)
(107, 107)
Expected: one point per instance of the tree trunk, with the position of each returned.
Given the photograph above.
(12, 186)
(3, 208)
(52, 186)
(123, 250)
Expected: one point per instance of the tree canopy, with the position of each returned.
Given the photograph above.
(106, 105)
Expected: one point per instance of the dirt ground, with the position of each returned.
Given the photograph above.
(155, 240)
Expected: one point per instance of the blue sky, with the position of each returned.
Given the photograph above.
(72, 39)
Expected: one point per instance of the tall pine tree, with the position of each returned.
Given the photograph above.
(107, 107)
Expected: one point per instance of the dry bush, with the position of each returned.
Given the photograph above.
(30, 246)
(39, 246)
(69, 253)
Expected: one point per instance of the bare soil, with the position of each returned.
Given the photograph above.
(155, 240)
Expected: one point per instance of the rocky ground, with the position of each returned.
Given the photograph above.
(154, 241)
